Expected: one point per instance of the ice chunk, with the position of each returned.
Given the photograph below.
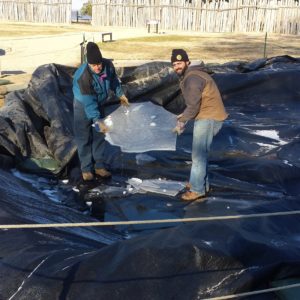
(134, 131)
(160, 186)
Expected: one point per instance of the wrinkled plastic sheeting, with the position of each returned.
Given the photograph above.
(141, 80)
(37, 123)
(141, 127)
(254, 168)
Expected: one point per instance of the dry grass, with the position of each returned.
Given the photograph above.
(208, 47)
(26, 29)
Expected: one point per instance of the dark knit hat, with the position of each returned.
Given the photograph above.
(179, 55)
(93, 53)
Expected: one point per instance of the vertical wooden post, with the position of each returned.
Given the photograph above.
(265, 46)
(82, 49)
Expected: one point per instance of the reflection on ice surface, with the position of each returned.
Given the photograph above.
(136, 130)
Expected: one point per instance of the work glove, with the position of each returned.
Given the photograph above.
(124, 101)
(180, 127)
(100, 126)
(179, 117)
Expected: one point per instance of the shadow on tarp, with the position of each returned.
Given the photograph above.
(254, 168)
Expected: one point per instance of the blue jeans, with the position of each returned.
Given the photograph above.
(90, 143)
(204, 131)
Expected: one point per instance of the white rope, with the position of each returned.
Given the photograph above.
(116, 223)
(284, 287)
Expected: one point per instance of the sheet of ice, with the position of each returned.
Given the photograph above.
(160, 186)
(141, 127)
(273, 134)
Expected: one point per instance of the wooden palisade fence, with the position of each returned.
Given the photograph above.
(274, 16)
(38, 11)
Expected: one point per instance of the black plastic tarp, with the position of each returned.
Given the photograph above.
(254, 169)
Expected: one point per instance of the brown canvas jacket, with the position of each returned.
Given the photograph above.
(202, 97)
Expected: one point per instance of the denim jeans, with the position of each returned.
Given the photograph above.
(204, 131)
(90, 143)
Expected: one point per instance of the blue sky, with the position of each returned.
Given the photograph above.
(77, 4)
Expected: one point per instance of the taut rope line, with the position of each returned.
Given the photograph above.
(116, 223)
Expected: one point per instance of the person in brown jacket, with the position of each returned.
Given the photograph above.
(204, 105)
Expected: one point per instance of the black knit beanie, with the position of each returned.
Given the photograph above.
(93, 53)
(179, 55)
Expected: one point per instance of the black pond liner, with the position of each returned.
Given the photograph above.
(254, 168)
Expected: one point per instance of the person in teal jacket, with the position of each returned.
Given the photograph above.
(91, 85)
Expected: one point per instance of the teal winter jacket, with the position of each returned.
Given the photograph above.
(90, 89)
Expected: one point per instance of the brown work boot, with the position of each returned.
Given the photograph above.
(188, 186)
(103, 173)
(190, 196)
(87, 176)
